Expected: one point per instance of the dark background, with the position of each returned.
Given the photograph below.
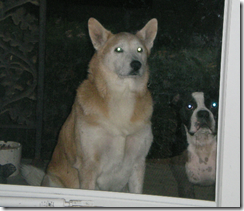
(186, 55)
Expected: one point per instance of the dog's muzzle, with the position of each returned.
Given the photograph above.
(203, 115)
(135, 65)
(204, 120)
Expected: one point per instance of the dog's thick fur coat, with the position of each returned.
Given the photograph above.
(105, 139)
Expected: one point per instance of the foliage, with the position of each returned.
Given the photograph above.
(18, 57)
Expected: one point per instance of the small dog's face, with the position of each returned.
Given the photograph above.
(199, 113)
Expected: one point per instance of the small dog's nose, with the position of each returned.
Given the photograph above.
(203, 114)
(136, 65)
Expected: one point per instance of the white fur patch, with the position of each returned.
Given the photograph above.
(201, 165)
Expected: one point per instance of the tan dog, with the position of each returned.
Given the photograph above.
(104, 141)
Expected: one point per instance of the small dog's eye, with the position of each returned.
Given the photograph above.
(119, 50)
(139, 50)
(189, 106)
(214, 105)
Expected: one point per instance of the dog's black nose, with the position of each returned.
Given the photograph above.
(136, 65)
(203, 114)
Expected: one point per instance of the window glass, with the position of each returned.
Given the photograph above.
(113, 110)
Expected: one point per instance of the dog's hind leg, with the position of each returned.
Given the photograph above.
(87, 174)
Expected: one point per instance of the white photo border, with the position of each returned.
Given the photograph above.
(228, 159)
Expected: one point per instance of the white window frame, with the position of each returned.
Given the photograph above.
(228, 156)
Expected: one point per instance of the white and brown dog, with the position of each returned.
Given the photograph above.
(105, 140)
(197, 129)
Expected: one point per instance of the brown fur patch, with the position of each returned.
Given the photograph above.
(143, 108)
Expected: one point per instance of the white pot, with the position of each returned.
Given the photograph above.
(10, 152)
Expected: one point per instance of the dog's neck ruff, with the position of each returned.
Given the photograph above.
(201, 138)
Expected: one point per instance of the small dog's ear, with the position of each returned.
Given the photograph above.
(98, 34)
(148, 33)
(175, 102)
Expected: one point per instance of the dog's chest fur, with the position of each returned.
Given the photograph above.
(201, 164)
(121, 108)
(120, 140)
(120, 112)
(125, 140)
(123, 105)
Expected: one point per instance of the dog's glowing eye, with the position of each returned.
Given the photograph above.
(214, 105)
(189, 106)
(118, 50)
(139, 50)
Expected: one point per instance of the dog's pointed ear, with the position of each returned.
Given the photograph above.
(98, 34)
(175, 101)
(148, 33)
